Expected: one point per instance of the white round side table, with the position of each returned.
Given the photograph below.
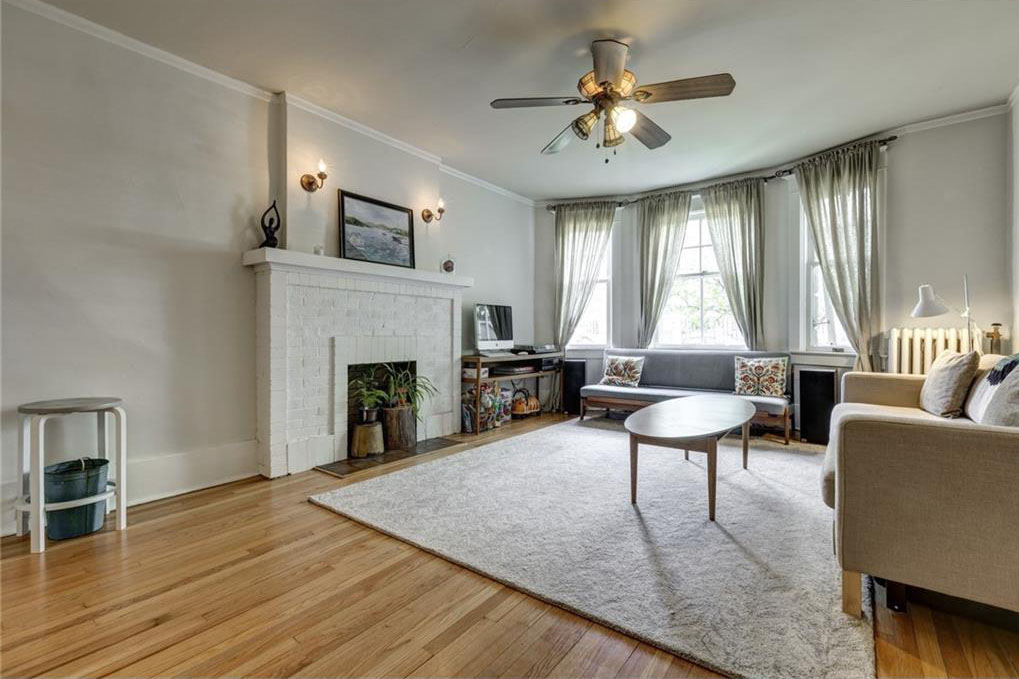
(30, 508)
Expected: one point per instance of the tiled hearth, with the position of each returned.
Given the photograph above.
(315, 316)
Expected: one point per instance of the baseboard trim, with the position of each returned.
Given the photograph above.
(162, 476)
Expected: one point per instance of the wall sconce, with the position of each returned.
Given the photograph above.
(428, 215)
(311, 183)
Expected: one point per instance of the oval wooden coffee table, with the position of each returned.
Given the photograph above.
(689, 423)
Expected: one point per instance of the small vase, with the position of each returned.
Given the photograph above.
(368, 415)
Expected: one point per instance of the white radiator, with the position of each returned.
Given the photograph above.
(912, 350)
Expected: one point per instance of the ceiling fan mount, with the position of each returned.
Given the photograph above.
(607, 86)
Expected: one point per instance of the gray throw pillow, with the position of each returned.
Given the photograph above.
(948, 380)
(1003, 409)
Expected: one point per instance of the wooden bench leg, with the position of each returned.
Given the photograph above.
(583, 407)
(852, 599)
(788, 423)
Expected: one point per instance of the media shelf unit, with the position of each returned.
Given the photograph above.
(477, 362)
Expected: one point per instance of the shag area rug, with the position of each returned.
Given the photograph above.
(754, 594)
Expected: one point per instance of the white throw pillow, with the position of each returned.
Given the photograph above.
(982, 390)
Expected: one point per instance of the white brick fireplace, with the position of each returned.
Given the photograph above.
(315, 316)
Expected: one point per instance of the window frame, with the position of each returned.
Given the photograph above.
(608, 262)
(700, 215)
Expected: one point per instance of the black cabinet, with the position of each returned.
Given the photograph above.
(818, 395)
(574, 378)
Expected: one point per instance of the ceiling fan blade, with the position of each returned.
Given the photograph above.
(530, 102)
(648, 133)
(609, 61)
(560, 141)
(718, 85)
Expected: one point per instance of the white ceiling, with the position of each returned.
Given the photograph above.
(809, 73)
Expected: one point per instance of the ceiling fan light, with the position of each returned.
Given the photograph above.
(624, 118)
(612, 136)
(583, 125)
(628, 84)
(587, 87)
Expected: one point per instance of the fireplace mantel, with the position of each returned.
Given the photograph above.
(314, 317)
(303, 262)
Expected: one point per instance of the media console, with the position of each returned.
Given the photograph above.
(537, 365)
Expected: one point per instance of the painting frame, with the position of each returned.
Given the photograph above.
(381, 208)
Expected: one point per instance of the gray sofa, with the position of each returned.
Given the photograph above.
(674, 373)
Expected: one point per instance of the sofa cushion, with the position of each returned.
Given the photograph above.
(948, 381)
(761, 376)
(846, 412)
(773, 405)
(622, 371)
(981, 391)
(693, 369)
(1003, 409)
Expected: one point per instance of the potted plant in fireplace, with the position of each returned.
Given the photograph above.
(406, 392)
(369, 397)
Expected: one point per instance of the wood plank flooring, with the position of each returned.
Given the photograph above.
(250, 579)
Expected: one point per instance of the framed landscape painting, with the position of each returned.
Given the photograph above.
(374, 231)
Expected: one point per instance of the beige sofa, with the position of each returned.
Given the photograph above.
(919, 499)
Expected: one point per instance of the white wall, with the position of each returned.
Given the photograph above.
(947, 208)
(129, 193)
(491, 235)
(132, 188)
(1013, 194)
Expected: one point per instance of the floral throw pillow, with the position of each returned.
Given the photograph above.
(622, 371)
(761, 376)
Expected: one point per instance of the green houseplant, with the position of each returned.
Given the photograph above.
(365, 391)
(405, 393)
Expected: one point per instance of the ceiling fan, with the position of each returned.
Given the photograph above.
(607, 86)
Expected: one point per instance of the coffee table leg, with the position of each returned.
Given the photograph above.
(712, 467)
(633, 469)
(746, 442)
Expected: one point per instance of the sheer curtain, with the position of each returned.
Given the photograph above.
(838, 190)
(662, 227)
(735, 213)
(581, 236)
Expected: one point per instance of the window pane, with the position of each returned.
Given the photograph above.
(681, 320)
(708, 261)
(593, 328)
(689, 261)
(603, 270)
(692, 237)
(720, 327)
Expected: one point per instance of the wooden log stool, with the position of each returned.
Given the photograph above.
(367, 440)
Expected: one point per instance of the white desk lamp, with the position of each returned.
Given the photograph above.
(931, 304)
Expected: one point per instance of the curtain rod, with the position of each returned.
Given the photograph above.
(784, 172)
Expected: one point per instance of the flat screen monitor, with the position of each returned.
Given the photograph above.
(493, 326)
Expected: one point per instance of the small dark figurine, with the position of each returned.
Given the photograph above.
(270, 225)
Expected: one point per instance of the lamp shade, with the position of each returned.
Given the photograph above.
(928, 304)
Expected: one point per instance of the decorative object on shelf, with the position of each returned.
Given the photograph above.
(524, 404)
(312, 183)
(405, 392)
(428, 215)
(375, 231)
(931, 304)
(448, 265)
(270, 225)
(994, 334)
(319, 250)
(368, 395)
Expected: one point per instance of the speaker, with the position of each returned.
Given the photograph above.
(574, 378)
(817, 398)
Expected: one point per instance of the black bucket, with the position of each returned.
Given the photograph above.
(72, 481)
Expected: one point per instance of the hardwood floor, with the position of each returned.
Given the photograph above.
(251, 579)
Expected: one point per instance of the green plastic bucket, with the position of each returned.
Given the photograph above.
(74, 480)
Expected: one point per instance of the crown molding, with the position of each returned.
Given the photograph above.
(361, 128)
(955, 119)
(95, 30)
(477, 181)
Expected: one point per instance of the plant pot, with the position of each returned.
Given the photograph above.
(368, 415)
(399, 428)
